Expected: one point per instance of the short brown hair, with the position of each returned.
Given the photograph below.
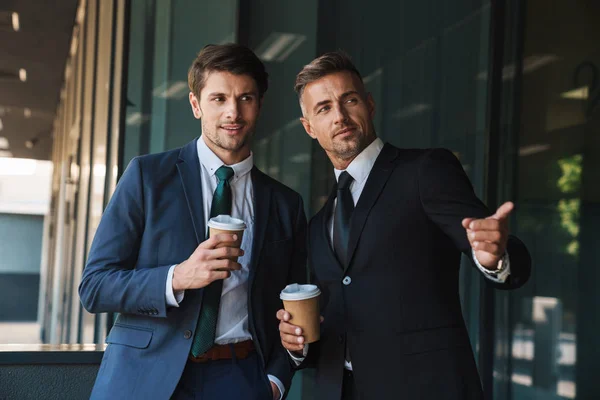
(230, 57)
(328, 63)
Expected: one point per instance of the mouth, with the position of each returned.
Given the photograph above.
(344, 132)
(232, 129)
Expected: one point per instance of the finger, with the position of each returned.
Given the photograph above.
(490, 248)
(466, 222)
(216, 275)
(293, 346)
(488, 224)
(283, 315)
(223, 265)
(504, 210)
(290, 329)
(224, 252)
(213, 241)
(486, 236)
(291, 339)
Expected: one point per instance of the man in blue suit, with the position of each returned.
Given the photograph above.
(192, 323)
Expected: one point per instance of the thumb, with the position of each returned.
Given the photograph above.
(504, 210)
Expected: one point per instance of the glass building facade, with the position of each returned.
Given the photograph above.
(511, 87)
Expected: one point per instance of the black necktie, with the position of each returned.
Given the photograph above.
(207, 322)
(341, 219)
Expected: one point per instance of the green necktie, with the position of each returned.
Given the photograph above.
(204, 338)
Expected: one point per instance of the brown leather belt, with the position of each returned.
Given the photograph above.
(223, 352)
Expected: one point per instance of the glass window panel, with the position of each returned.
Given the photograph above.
(550, 346)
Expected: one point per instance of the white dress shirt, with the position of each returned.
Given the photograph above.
(359, 169)
(232, 323)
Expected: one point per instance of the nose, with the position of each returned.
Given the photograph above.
(341, 115)
(233, 110)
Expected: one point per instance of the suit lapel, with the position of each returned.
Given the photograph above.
(262, 202)
(376, 181)
(189, 172)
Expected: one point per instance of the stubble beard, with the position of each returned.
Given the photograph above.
(225, 143)
(350, 148)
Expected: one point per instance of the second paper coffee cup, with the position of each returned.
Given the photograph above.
(302, 302)
(227, 224)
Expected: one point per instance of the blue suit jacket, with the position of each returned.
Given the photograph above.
(155, 219)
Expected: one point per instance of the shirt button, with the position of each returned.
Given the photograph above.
(187, 334)
(347, 280)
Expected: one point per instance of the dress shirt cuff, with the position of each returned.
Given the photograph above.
(173, 298)
(495, 276)
(298, 360)
(279, 384)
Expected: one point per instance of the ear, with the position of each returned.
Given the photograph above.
(371, 105)
(195, 106)
(307, 127)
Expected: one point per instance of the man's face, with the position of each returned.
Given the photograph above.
(339, 114)
(229, 106)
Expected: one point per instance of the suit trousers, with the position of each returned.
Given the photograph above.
(233, 379)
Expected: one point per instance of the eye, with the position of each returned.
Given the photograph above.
(352, 100)
(323, 109)
(219, 99)
(247, 98)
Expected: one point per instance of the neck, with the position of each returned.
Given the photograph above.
(229, 157)
(340, 163)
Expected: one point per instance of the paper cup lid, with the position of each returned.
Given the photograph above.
(227, 223)
(299, 292)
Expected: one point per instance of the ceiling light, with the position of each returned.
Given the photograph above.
(581, 93)
(5, 153)
(278, 46)
(31, 142)
(137, 119)
(27, 112)
(3, 143)
(23, 75)
(533, 149)
(15, 22)
(175, 90)
(530, 64)
(411, 110)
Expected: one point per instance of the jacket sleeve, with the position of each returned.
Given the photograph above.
(280, 364)
(111, 282)
(447, 197)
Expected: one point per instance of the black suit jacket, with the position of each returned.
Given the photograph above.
(155, 219)
(399, 310)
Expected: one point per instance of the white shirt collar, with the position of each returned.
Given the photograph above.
(212, 162)
(361, 166)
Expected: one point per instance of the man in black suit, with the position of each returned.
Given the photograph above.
(194, 324)
(385, 251)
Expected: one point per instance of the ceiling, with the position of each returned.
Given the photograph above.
(40, 47)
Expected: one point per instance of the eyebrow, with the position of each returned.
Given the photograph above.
(324, 102)
(215, 94)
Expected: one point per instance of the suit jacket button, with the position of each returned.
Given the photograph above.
(187, 334)
(347, 280)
